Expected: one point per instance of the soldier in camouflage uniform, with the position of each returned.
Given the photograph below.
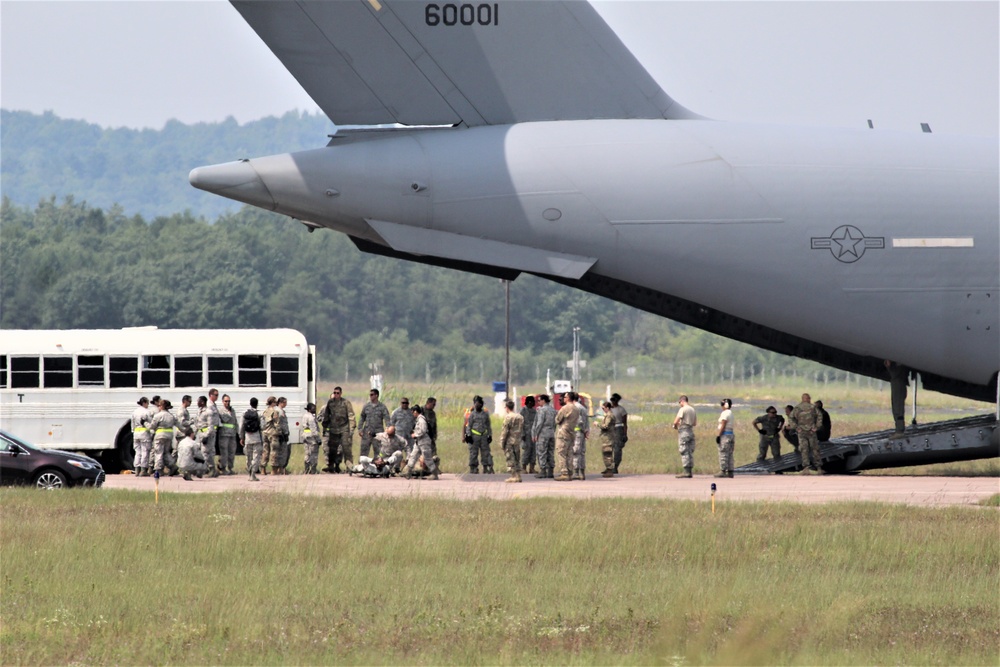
(162, 428)
(607, 426)
(725, 438)
(511, 437)
(621, 428)
(309, 437)
(478, 436)
(189, 455)
(566, 420)
(185, 423)
(141, 440)
(208, 425)
(684, 422)
(769, 426)
(528, 454)
(387, 443)
(543, 434)
(806, 420)
(580, 434)
(271, 430)
(421, 445)
(374, 417)
(337, 418)
(227, 436)
(284, 449)
(432, 424)
(253, 441)
(402, 418)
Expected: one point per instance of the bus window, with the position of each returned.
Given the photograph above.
(155, 370)
(124, 372)
(220, 371)
(252, 370)
(284, 371)
(187, 372)
(3, 371)
(90, 371)
(58, 371)
(24, 372)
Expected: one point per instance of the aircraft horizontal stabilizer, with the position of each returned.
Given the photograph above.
(370, 62)
(428, 242)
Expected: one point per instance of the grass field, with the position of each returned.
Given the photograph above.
(102, 577)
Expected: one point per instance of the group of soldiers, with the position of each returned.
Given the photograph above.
(170, 441)
(804, 426)
(536, 435)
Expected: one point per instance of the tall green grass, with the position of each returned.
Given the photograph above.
(102, 577)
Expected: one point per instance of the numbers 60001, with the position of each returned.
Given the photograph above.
(464, 14)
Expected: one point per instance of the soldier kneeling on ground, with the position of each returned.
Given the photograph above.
(190, 459)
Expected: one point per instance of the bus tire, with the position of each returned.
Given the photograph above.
(122, 457)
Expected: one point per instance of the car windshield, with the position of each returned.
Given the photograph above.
(8, 438)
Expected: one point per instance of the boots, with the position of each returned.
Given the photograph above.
(487, 470)
(530, 469)
(563, 477)
(721, 473)
(473, 470)
(550, 473)
(407, 472)
(514, 478)
(608, 472)
(253, 477)
(686, 474)
(187, 477)
(541, 473)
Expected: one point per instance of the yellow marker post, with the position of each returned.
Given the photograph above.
(156, 483)
(713, 497)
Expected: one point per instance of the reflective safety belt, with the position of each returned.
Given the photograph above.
(227, 425)
(475, 432)
(165, 430)
(140, 429)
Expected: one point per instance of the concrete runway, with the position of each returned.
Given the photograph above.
(918, 491)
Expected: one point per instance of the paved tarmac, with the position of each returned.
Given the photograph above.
(925, 491)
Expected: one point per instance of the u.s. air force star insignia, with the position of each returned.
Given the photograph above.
(847, 243)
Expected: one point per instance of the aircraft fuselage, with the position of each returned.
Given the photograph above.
(882, 245)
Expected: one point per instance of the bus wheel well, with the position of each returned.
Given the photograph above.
(122, 457)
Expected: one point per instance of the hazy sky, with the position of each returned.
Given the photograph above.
(140, 63)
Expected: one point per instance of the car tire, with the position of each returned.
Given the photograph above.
(50, 479)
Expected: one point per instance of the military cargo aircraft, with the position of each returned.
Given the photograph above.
(526, 138)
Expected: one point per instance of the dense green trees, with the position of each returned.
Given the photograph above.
(145, 171)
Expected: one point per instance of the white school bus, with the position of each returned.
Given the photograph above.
(76, 389)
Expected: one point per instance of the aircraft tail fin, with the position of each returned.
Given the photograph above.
(370, 62)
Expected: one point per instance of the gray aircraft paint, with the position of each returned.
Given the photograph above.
(714, 217)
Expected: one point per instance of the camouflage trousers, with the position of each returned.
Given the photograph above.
(513, 457)
(337, 449)
(227, 451)
(423, 448)
(727, 443)
(528, 452)
(163, 458)
(254, 452)
(546, 450)
(685, 445)
(809, 448)
(772, 442)
(479, 449)
(579, 452)
(311, 459)
(608, 454)
(272, 450)
(143, 448)
(207, 439)
(368, 442)
(564, 448)
(618, 444)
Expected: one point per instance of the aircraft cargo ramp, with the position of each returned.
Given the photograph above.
(939, 442)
